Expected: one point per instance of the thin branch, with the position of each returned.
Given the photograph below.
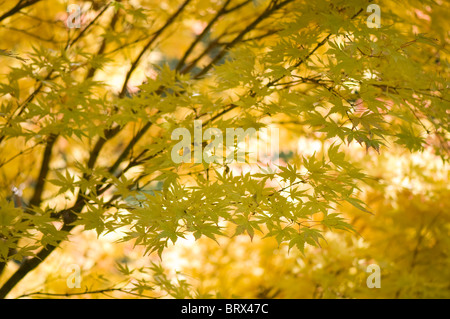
(22, 106)
(45, 167)
(211, 46)
(92, 292)
(80, 35)
(266, 13)
(318, 45)
(202, 34)
(126, 45)
(130, 146)
(52, 39)
(23, 152)
(101, 50)
(69, 214)
(55, 22)
(148, 45)
(238, 6)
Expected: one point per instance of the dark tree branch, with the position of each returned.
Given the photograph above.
(202, 34)
(238, 6)
(28, 266)
(211, 45)
(127, 291)
(273, 7)
(19, 6)
(148, 45)
(102, 48)
(129, 147)
(45, 167)
(318, 45)
(30, 34)
(80, 35)
(37, 196)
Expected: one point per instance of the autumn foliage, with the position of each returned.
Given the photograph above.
(87, 175)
